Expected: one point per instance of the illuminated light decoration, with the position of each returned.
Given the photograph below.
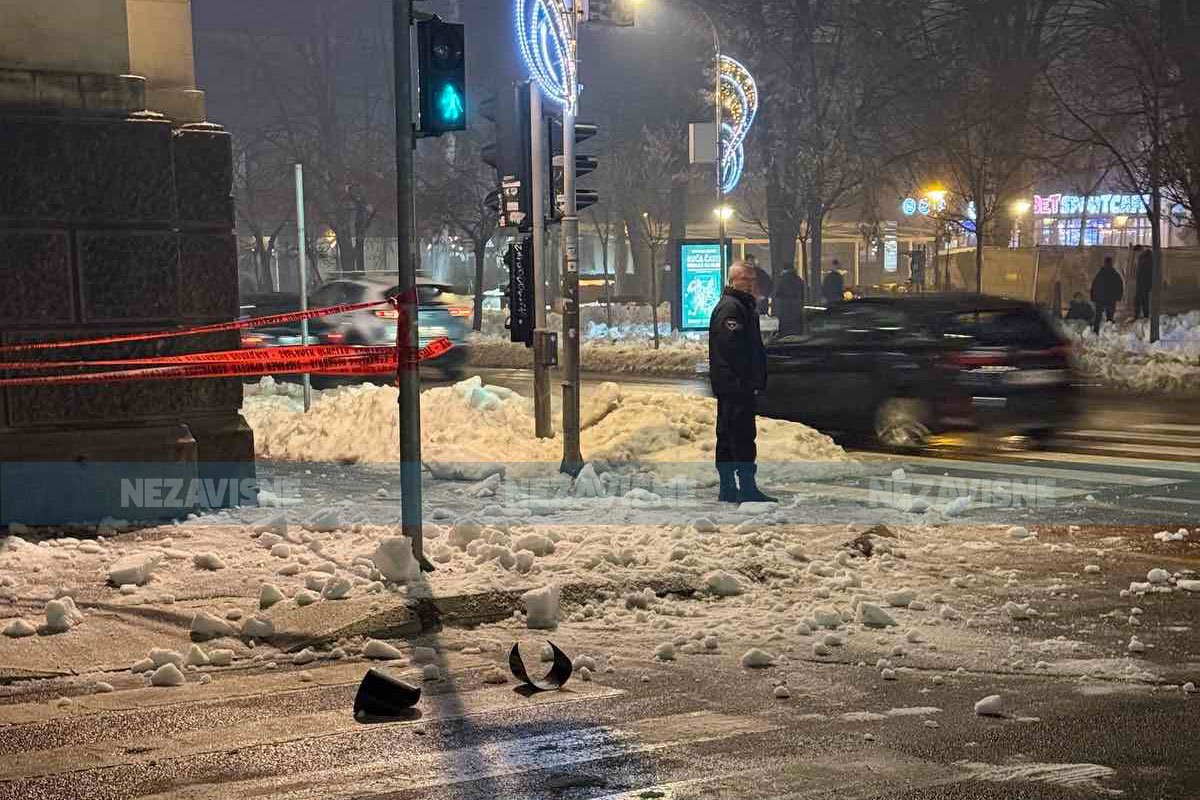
(912, 206)
(739, 101)
(1099, 205)
(548, 48)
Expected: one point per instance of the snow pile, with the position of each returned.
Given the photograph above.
(541, 607)
(135, 568)
(468, 425)
(676, 356)
(62, 615)
(395, 561)
(19, 628)
(1123, 357)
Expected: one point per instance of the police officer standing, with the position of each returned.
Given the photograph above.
(737, 367)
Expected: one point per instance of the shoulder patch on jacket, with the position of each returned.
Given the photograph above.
(732, 324)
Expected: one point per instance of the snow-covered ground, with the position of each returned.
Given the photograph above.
(1122, 356)
(471, 431)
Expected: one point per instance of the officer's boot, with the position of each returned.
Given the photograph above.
(748, 483)
(729, 488)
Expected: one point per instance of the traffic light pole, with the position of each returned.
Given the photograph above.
(408, 378)
(544, 423)
(572, 461)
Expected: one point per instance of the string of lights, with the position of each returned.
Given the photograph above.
(544, 36)
(739, 98)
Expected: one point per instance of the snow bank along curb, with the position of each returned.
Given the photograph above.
(472, 431)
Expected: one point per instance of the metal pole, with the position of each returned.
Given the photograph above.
(544, 423)
(722, 233)
(572, 461)
(408, 378)
(307, 379)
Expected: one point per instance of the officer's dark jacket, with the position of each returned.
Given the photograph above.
(737, 359)
(1108, 287)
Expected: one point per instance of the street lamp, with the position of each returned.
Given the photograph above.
(725, 213)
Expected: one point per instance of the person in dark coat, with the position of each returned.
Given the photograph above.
(1108, 288)
(1145, 281)
(1080, 309)
(788, 302)
(833, 288)
(737, 368)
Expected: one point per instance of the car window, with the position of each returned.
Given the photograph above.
(331, 294)
(999, 327)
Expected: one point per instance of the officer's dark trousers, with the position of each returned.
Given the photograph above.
(736, 431)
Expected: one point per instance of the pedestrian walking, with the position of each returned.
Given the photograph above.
(788, 302)
(1108, 288)
(737, 368)
(1144, 259)
(833, 288)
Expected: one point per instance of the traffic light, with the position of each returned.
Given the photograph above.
(442, 77)
(492, 152)
(522, 318)
(584, 165)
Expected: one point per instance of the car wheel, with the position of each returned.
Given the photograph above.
(902, 423)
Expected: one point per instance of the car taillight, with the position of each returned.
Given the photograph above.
(387, 313)
(976, 359)
(461, 313)
(253, 341)
(333, 338)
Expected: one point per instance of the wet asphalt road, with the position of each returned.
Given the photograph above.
(699, 727)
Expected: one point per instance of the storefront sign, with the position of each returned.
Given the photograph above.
(1100, 205)
(700, 283)
(911, 206)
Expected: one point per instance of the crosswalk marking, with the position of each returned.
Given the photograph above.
(1146, 437)
(1149, 460)
(949, 481)
(1185, 501)
(1169, 427)
(1007, 467)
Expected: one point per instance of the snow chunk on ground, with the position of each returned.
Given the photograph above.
(381, 651)
(207, 626)
(873, 616)
(394, 559)
(268, 596)
(1135, 645)
(535, 543)
(1092, 569)
(337, 588)
(1158, 576)
(162, 656)
(135, 568)
(990, 706)
(665, 652)
(196, 657)
(464, 532)
(220, 657)
(722, 584)
(782, 693)
(19, 628)
(901, 598)
(541, 607)
(258, 627)
(1188, 586)
(757, 659)
(209, 561)
(167, 675)
(62, 615)
(1020, 533)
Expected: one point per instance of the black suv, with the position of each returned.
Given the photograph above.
(905, 367)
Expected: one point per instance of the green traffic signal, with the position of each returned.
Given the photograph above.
(442, 77)
(451, 106)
